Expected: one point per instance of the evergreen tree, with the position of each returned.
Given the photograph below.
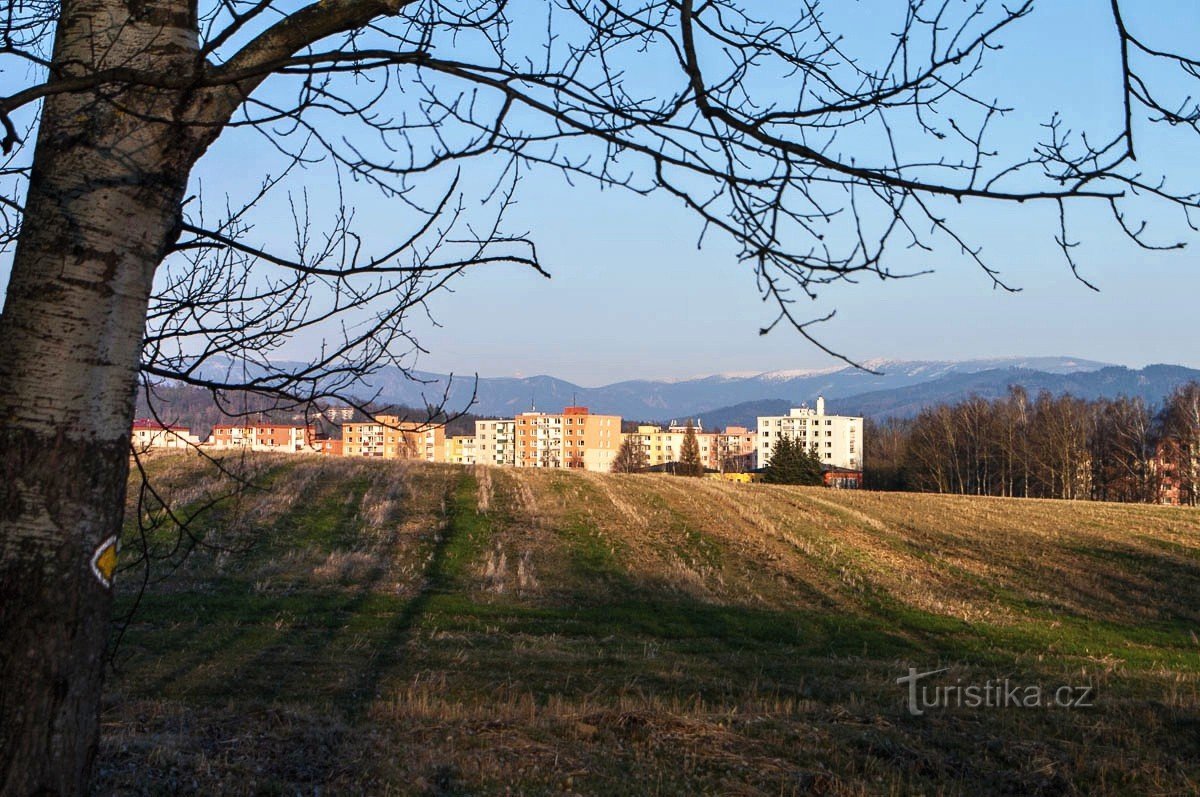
(630, 457)
(793, 463)
(689, 454)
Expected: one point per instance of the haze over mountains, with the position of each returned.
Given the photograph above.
(901, 388)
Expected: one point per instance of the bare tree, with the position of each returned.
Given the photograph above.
(885, 449)
(631, 456)
(1054, 447)
(1060, 431)
(1122, 449)
(121, 271)
(1181, 427)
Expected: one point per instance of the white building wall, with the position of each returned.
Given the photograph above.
(494, 442)
(145, 439)
(838, 438)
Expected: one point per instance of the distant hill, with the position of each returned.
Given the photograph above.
(1151, 383)
(745, 414)
(900, 388)
(667, 399)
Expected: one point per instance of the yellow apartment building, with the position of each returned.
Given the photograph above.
(718, 450)
(460, 450)
(661, 446)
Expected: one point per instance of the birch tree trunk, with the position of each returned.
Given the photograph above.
(104, 199)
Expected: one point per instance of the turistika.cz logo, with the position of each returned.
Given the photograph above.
(989, 694)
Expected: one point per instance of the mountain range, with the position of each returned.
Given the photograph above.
(899, 388)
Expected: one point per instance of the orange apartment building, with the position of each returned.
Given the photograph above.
(389, 437)
(329, 447)
(279, 438)
(576, 438)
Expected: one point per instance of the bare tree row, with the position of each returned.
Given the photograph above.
(1121, 449)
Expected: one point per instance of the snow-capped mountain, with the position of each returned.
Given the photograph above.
(661, 399)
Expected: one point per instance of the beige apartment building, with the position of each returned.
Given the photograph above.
(737, 449)
(661, 446)
(576, 438)
(389, 437)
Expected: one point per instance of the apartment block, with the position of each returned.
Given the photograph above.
(737, 449)
(576, 438)
(150, 435)
(389, 437)
(661, 446)
(591, 441)
(460, 450)
(495, 442)
(279, 438)
(732, 449)
(837, 439)
(538, 441)
(329, 447)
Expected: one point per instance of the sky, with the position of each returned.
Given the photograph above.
(631, 295)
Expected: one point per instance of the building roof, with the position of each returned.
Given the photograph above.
(259, 426)
(150, 423)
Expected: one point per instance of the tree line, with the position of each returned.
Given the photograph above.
(1121, 449)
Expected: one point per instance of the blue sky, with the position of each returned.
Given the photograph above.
(631, 296)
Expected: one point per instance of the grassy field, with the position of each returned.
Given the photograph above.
(395, 628)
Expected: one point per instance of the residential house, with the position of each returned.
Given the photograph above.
(151, 435)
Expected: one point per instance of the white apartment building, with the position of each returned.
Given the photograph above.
(495, 442)
(149, 434)
(837, 439)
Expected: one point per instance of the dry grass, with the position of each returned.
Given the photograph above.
(419, 629)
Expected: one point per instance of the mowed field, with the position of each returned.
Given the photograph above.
(403, 628)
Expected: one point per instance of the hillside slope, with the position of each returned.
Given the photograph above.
(404, 628)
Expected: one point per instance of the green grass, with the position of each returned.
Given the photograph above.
(689, 649)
